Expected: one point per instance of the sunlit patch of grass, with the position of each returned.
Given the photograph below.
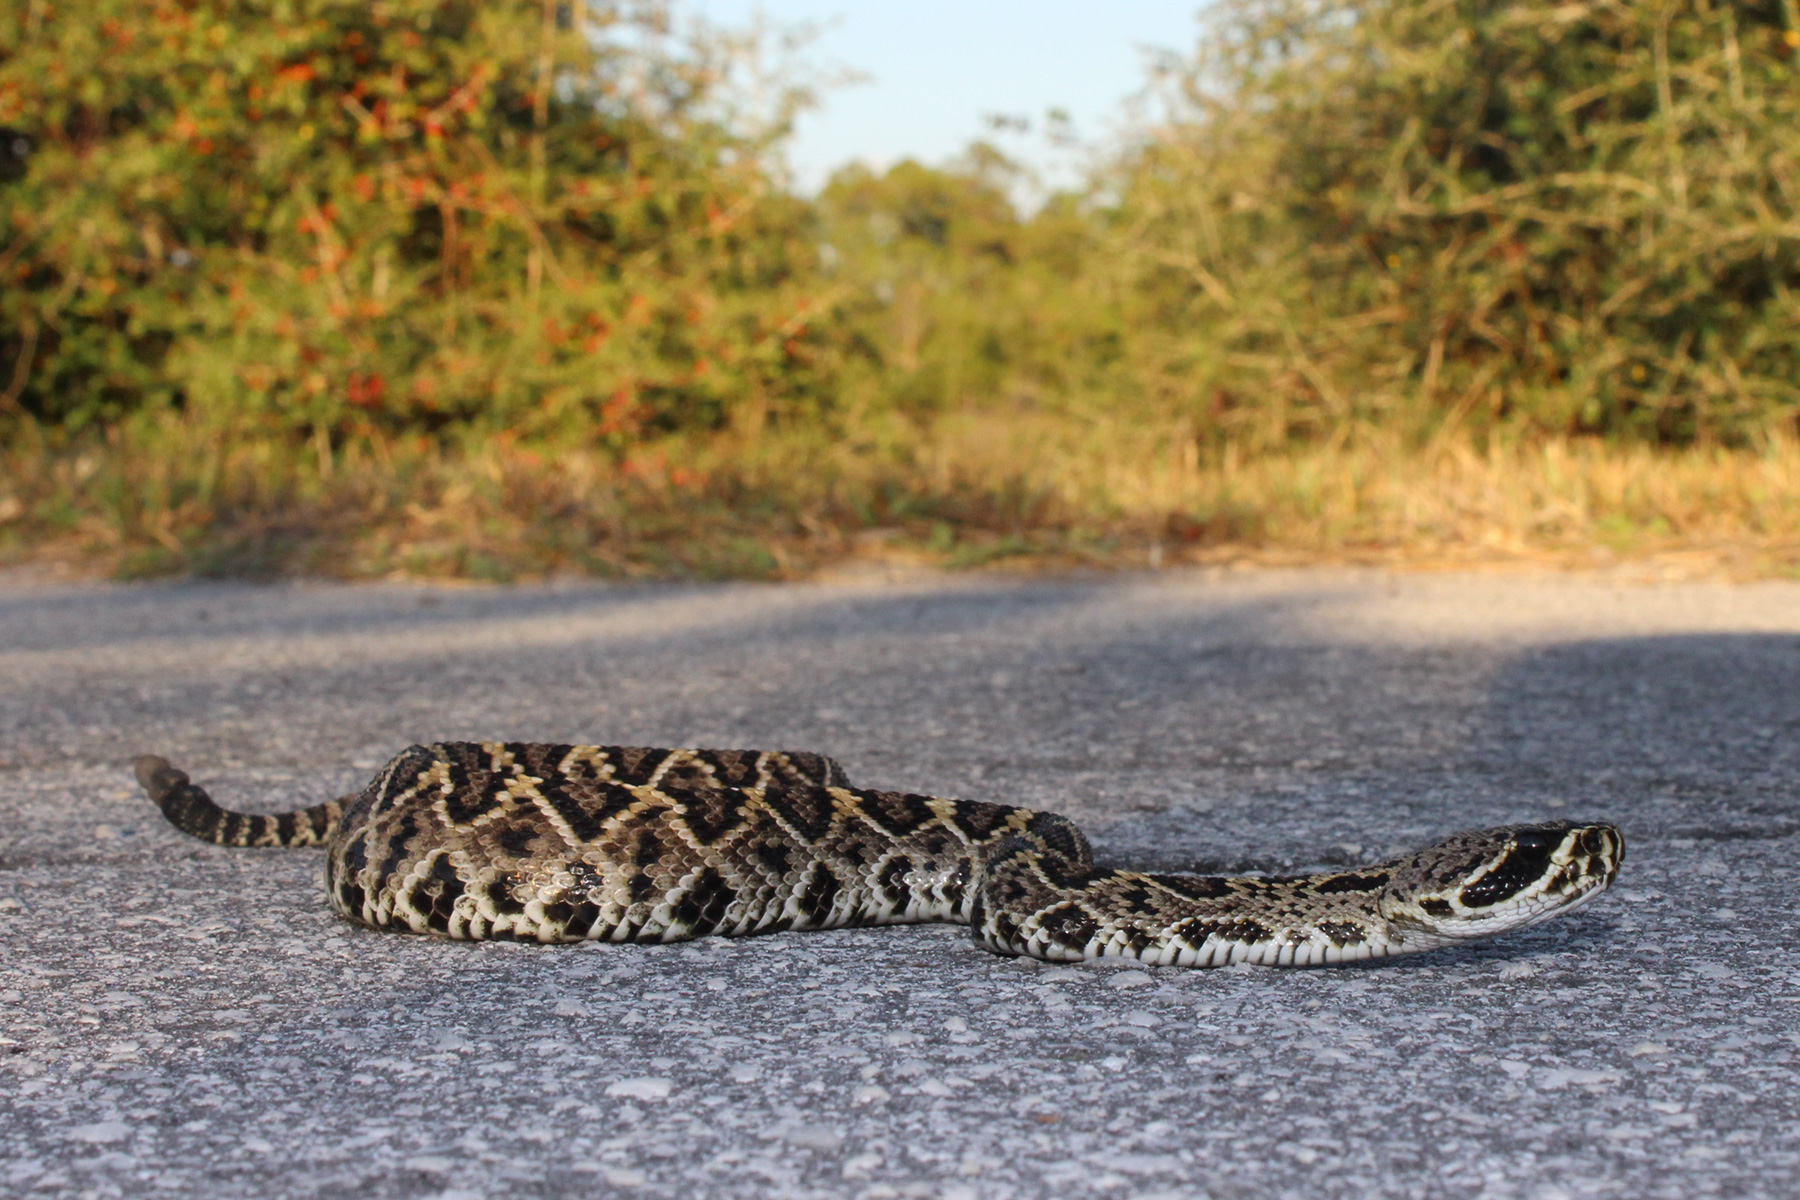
(987, 551)
(964, 492)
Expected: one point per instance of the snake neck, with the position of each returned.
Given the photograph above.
(937, 868)
(1031, 900)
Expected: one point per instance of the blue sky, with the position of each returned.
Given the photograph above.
(938, 68)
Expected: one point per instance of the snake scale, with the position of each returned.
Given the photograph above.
(564, 843)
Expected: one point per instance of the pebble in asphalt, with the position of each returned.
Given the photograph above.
(179, 1019)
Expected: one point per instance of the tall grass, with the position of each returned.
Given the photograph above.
(972, 489)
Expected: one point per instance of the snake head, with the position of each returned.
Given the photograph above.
(1493, 880)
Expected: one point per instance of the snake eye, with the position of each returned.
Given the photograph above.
(1595, 842)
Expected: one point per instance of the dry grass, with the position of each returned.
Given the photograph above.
(970, 491)
(1567, 500)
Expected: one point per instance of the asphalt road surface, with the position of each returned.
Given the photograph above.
(178, 1019)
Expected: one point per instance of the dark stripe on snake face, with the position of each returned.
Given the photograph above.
(1522, 866)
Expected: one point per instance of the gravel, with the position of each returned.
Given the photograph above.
(180, 1019)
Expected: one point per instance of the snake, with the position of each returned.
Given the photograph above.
(550, 843)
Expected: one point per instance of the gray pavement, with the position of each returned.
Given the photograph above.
(178, 1019)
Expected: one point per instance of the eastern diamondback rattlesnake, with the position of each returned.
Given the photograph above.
(555, 843)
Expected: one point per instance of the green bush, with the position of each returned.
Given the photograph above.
(953, 301)
(342, 221)
(1572, 217)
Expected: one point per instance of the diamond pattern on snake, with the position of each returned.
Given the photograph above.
(560, 843)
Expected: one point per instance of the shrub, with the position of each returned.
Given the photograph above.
(1570, 217)
(335, 222)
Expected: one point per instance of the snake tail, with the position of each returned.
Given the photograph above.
(191, 810)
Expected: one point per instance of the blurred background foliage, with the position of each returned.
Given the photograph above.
(1577, 218)
(511, 287)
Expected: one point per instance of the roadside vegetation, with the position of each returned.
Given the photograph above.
(507, 289)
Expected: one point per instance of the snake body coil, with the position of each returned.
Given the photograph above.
(560, 843)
